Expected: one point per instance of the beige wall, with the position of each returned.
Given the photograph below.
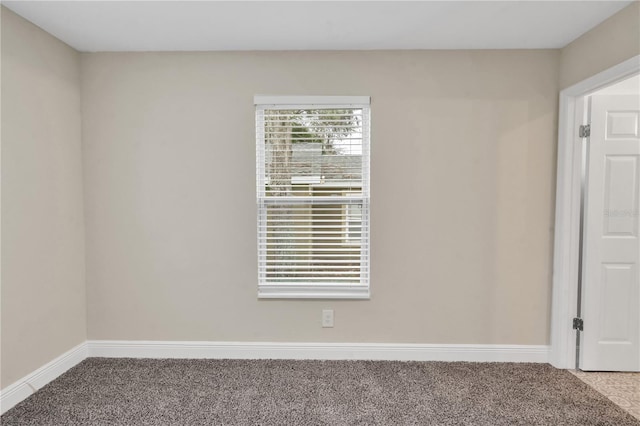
(43, 289)
(463, 160)
(610, 43)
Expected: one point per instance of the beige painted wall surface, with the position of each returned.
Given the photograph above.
(43, 291)
(610, 43)
(463, 160)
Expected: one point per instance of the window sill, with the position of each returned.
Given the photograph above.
(284, 291)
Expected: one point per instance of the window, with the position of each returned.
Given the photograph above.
(313, 196)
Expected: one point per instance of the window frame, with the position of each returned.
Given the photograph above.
(268, 290)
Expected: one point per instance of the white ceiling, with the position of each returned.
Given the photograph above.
(320, 25)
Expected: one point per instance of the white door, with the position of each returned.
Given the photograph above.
(611, 256)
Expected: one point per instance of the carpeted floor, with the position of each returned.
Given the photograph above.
(102, 391)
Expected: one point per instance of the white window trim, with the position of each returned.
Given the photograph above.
(282, 102)
(317, 291)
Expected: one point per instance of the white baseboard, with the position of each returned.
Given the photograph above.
(333, 351)
(23, 388)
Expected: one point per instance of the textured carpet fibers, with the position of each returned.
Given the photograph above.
(101, 391)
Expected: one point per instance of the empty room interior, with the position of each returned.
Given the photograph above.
(320, 213)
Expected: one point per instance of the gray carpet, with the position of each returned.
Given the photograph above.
(102, 391)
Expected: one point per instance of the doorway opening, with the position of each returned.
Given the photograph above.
(574, 109)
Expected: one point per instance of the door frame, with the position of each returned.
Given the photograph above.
(567, 220)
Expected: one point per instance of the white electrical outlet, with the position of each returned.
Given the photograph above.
(327, 318)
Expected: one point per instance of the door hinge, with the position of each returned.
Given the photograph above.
(584, 131)
(578, 324)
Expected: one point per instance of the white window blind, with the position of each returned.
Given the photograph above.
(313, 196)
